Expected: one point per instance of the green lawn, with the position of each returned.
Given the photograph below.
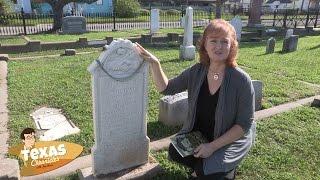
(102, 35)
(12, 40)
(63, 82)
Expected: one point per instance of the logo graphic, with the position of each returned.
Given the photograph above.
(43, 156)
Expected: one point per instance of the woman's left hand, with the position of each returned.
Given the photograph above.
(203, 150)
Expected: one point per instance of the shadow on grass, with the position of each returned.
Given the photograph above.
(315, 47)
(157, 130)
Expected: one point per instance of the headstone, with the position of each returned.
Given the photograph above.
(237, 24)
(257, 85)
(289, 33)
(187, 49)
(270, 45)
(69, 52)
(290, 44)
(74, 25)
(4, 57)
(173, 109)
(53, 124)
(119, 88)
(316, 102)
(155, 21)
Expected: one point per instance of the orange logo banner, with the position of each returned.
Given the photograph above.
(44, 156)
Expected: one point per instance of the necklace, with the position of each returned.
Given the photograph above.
(216, 75)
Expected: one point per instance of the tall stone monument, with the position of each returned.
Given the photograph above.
(119, 87)
(237, 24)
(187, 49)
(155, 21)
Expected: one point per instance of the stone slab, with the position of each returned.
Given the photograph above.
(146, 171)
(9, 169)
(69, 52)
(73, 25)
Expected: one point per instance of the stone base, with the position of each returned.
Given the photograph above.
(9, 169)
(187, 52)
(146, 171)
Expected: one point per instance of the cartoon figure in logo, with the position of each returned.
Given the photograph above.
(28, 138)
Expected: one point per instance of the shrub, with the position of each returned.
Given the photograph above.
(144, 12)
(173, 12)
(127, 8)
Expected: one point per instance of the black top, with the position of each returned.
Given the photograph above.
(206, 109)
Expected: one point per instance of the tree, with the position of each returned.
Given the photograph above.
(57, 8)
(255, 12)
(5, 6)
(218, 8)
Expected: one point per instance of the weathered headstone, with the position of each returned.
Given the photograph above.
(270, 45)
(119, 87)
(289, 33)
(54, 124)
(155, 21)
(257, 85)
(173, 109)
(237, 24)
(187, 49)
(290, 44)
(74, 25)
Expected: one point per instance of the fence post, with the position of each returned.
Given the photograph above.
(316, 21)
(307, 20)
(114, 15)
(285, 19)
(24, 22)
(274, 17)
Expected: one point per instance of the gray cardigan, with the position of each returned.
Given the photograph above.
(235, 106)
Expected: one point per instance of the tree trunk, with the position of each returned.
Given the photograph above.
(57, 18)
(255, 13)
(218, 10)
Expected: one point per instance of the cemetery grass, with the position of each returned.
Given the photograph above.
(12, 40)
(52, 52)
(286, 147)
(101, 35)
(64, 83)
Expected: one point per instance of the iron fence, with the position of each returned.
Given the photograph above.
(22, 23)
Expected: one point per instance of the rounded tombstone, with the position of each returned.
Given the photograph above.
(121, 60)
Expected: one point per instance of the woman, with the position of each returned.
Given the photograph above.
(221, 103)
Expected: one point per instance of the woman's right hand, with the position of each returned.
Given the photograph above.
(146, 55)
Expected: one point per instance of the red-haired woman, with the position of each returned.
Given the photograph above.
(221, 103)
